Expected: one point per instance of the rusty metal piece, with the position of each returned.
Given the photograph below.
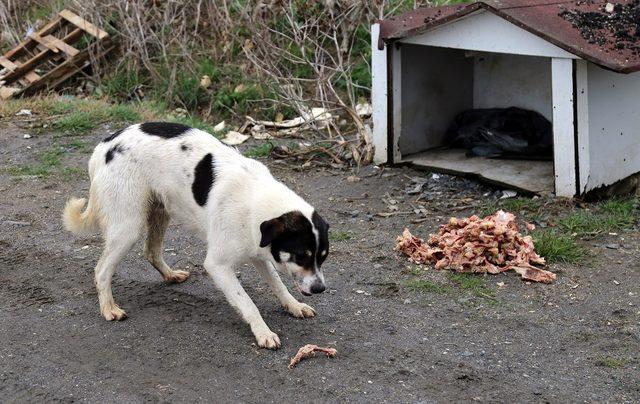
(540, 17)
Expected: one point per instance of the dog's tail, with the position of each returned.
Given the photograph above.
(77, 221)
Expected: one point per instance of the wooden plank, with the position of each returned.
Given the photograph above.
(67, 69)
(63, 46)
(525, 175)
(83, 24)
(7, 63)
(40, 58)
(44, 42)
(45, 30)
(8, 92)
(29, 77)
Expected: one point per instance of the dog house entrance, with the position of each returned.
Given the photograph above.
(436, 84)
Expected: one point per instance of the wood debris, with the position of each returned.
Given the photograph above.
(49, 56)
(490, 245)
(309, 351)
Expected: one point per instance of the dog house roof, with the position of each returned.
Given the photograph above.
(588, 29)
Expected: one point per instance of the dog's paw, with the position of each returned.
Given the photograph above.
(300, 310)
(114, 312)
(177, 276)
(268, 340)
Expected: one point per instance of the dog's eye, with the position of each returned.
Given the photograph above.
(308, 253)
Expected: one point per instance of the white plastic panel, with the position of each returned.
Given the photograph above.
(437, 84)
(614, 126)
(485, 31)
(502, 81)
(582, 105)
(379, 96)
(564, 162)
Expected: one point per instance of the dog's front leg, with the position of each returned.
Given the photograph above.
(226, 280)
(293, 306)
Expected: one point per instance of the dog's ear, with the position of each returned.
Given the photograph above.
(270, 229)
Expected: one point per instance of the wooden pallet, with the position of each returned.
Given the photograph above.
(49, 56)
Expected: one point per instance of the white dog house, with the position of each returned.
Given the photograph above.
(432, 63)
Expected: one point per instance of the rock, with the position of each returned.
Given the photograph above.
(26, 136)
(613, 246)
(24, 112)
(355, 213)
(16, 223)
(467, 353)
(508, 194)
(609, 8)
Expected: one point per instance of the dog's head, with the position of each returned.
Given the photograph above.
(299, 246)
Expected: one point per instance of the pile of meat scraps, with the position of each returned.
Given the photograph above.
(490, 245)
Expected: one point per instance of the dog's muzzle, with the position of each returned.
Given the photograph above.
(311, 285)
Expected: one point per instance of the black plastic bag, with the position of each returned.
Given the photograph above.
(503, 133)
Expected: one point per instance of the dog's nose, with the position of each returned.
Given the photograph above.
(317, 287)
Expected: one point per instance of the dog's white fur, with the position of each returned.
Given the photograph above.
(150, 181)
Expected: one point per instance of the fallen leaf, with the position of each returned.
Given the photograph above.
(219, 127)
(234, 138)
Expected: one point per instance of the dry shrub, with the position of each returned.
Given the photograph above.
(308, 53)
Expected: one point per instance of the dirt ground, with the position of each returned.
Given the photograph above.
(575, 340)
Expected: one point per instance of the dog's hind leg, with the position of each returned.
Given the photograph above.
(293, 306)
(157, 222)
(119, 238)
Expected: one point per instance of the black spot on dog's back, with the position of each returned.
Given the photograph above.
(184, 147)
(167, 130)
(203, 180)
(110, 154)
(113, 135)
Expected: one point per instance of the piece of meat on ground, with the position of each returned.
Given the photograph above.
(309, 351)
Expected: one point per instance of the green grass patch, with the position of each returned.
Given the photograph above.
(260, 151)
(426, 286)
(76, 122)
(523, 207)
(613, 363)
(415, 270)
(556, 246)
(194, 122)
(72, 172)
(338, 235)
(473, 283)
(49, 160)
(79, 146)
(123, 83)
(86, 116)
(123, 113)
(612, 215)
